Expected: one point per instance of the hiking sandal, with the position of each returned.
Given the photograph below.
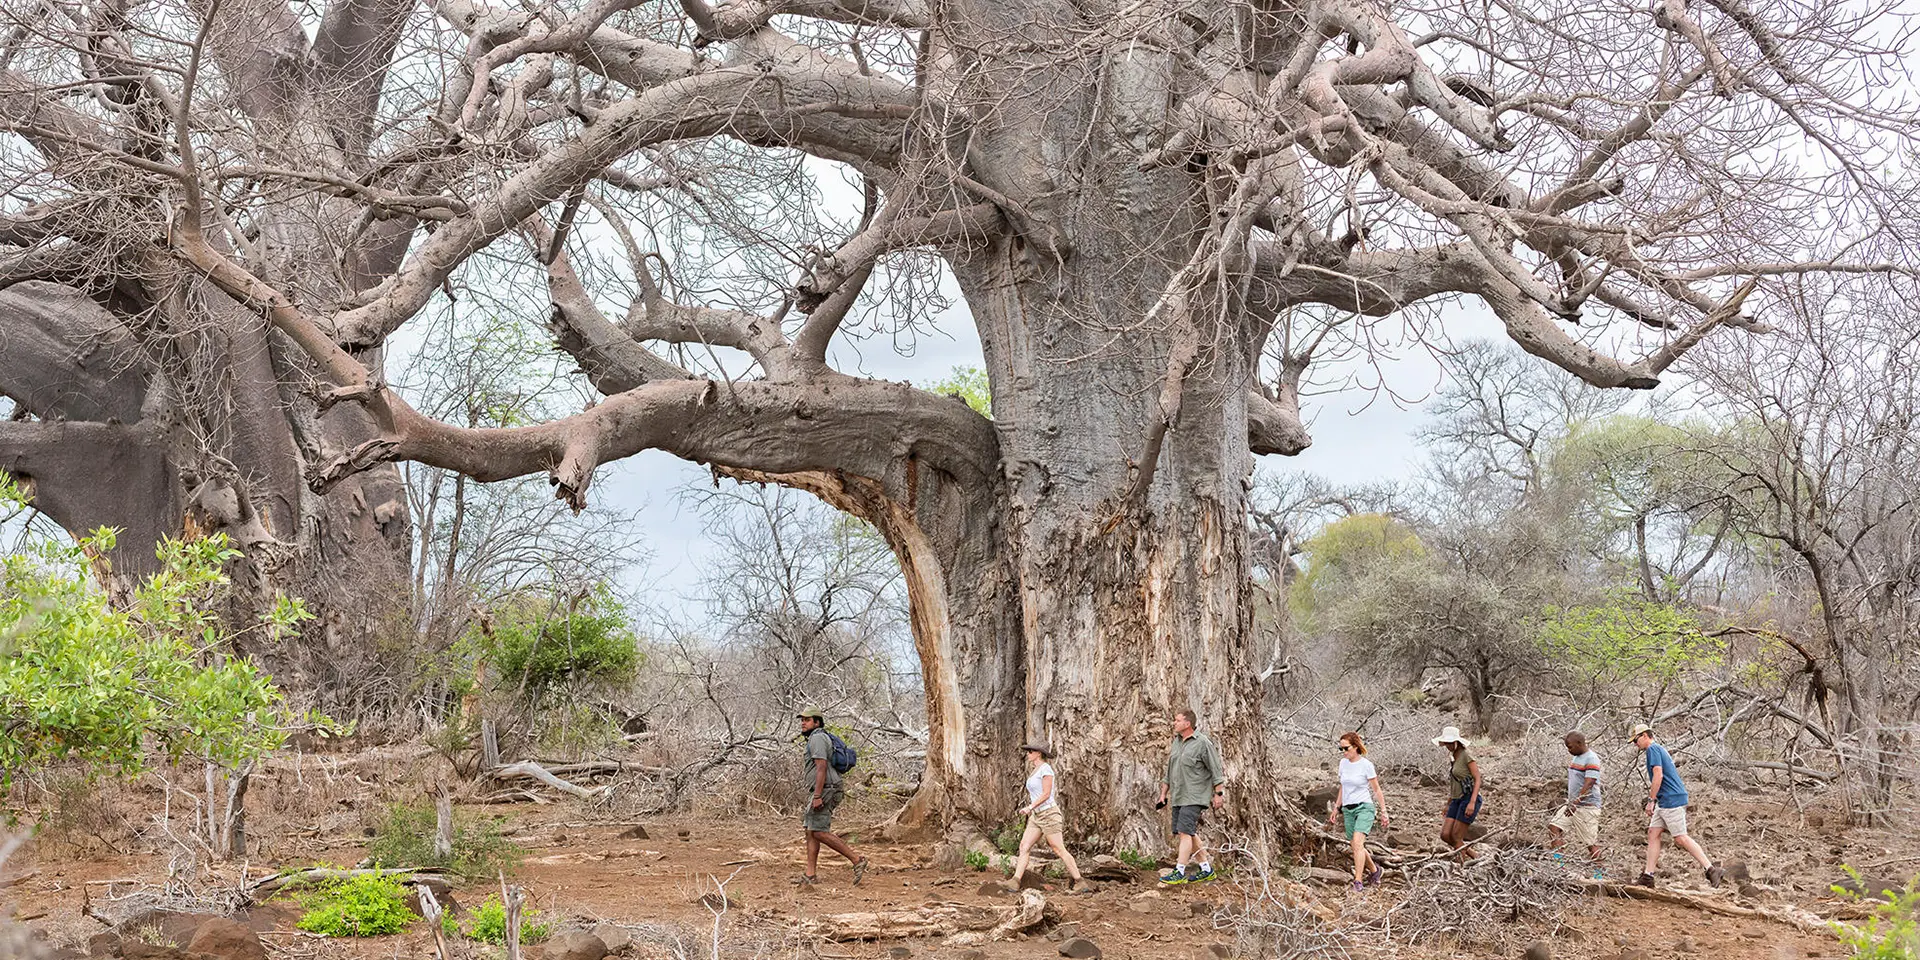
(860, 870)
(804, 880)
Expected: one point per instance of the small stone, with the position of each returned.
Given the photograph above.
(1221, 950)
(224, 939)
(1685, 945)
(899, 953)
(684, 834)
(1140, 906)
(1067, 931)
(991, 888)
(1539, 950)
(1032, 881)
(103, 944)
(1080, 948)
(613, 935)
(574, 945)
(635, 832)
(974, 955)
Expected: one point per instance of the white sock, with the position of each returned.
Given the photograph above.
(1206, 866)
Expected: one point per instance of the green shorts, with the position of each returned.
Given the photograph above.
(1359, 818)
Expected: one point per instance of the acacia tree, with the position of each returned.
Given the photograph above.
(1156, 212)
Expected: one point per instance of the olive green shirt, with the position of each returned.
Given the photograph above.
(1193, 770)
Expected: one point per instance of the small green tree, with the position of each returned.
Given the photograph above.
(969, 384)
(112, 688)
(1625, 638)
(536, 646)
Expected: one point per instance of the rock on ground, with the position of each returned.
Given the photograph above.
(223, 939)
(574, 945)
(1080, 948)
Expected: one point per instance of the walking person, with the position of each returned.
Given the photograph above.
(1361, 805)
(1666, 807)
(1580, 815)
(1044, 817)
(1193, 784)
(1463, 791)
(823, 795)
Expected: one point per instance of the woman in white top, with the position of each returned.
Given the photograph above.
(1044, 816)
(1361, 804)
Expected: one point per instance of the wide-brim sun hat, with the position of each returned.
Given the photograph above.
(1638, 729)
(1449, 735)
(1045, 752)
(812, 712)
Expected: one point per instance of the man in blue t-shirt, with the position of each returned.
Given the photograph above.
(1667, 807)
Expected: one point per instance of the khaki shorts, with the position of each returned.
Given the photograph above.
(1051, 821)
(1583, 827)
(1671, 819)
(821, 819)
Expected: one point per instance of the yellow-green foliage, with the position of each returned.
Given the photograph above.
(1344, 549)
(970, 385)
(111, 688)
(368, 905)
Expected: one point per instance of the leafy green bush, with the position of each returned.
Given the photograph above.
(1892, 930)
(534, 648)
(1007, 838)
(1626, 638)
(405, 839)
(108, 688)
(489, 924)
(1137, 860)
(976, 860)
(364, 906)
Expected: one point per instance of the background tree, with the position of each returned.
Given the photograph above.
(1156, 213)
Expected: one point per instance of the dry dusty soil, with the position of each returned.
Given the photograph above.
(585, 868)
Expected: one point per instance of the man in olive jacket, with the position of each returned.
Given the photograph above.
(1194, 776)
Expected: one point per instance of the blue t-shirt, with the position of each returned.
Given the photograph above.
(1673, 791)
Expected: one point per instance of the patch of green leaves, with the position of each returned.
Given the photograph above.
(970, 385)
(489, 924)
(1137, 860)
(976, 860)
(109, 688)
(1891, 931)
(364, 906)
(405, 839)
(535, 648)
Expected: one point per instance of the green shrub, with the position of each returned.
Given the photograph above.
(534, 648)
(362, 906)
(1007, 838)
(1137, 860)
(976, 860)
(1892, 930)
(113, 688)
(489, 924)
(405, 839)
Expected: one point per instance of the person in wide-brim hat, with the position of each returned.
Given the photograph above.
(1044, 816)
(1463, 791)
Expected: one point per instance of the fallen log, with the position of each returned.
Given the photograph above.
(1033, 910)
(527, 769)
(1791, 916)
(933, 920)
(289, 878)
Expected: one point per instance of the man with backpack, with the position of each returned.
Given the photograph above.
(828, 758)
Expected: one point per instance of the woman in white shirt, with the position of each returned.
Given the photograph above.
(1044, 816)
(1361, 804)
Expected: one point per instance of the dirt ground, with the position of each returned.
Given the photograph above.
(584, 865)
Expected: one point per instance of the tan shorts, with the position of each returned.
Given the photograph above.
(1583, 827)
(1051, 821)
(1671, 819)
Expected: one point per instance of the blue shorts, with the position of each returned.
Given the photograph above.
(1457, 809)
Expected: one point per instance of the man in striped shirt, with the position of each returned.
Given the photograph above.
(1580, 815)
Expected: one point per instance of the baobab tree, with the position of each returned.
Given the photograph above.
(1157, 214)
